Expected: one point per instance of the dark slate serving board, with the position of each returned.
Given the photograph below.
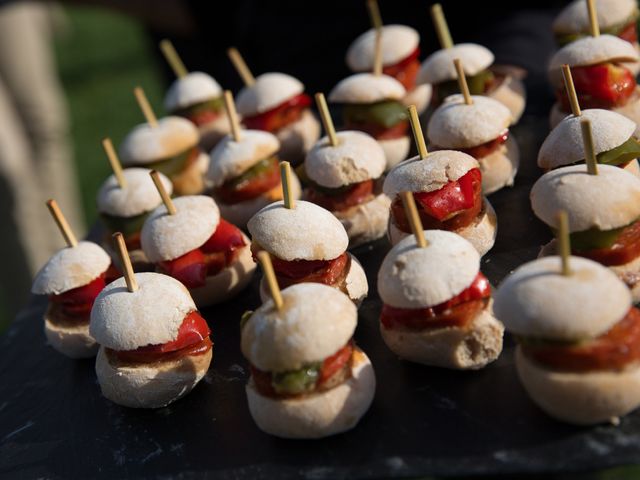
(54, 423)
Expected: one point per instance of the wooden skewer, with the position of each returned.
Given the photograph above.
(285, 175)
(462, 82)
(267, 268)
(241, 66)
(129, 276)
(374, 14)
(587, 142)
(593, 18)
(173, 59)
(116, 166)
(232, 115)
(417, 132)
(442, 29)
(377, 53)
(571, 90)
(166, 199)
(414, 219)
(62, 223)
(564, 245)
(327, 122)
(144, 105)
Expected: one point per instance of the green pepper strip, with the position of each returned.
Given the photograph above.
(594, 238)
(215, 104)
(126, 225)
(295, 382)
(386, 113)
(624, 153)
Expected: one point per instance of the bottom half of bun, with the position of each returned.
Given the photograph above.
(499, 168)
(297, 138)
(151, 385)
(355, 284)
(629, 272)
(584, 398)
(139, 260)
(395, 150)
(212, 132)
(469, 348)
(229, 282)
(366, 222)
(481, 233)
(190, 181)
(320, 414)
(420, 96)
(512, 94)
(72, 341)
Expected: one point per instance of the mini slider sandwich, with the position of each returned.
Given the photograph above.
(168, 145)
(478, 126)
(436, 302)
(244, 171)
(483, 79)
(187, 240)
(124, 201)
(400, 49)
(276, 103)
(307, 244)
(578, 338)
(72, 278)
(447, 187)
(343, 175)
(308, 378)
(197, 97)
(154, 345)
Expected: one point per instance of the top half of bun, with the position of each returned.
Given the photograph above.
(306, 232)
(415, 277)
(538, 301)
(138, 196)
(429, 174)
(398, 42)
(605, 201)
(152, 315)
(439, 67)
(574, 18)
(367, 88)
(194, 88)
(455, 124)
(356, 158)
(269, 91)
(315, 322)
(71, 267)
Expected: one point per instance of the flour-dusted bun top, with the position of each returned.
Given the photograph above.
(301, 333)
(139, 195)
(269, 91)
(574, 18)
(166, 237)
(194, 88)
(152, 315)
(439, 67)
(398, 42)
(367, 88)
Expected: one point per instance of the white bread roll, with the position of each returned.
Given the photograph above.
(306, 232)
(468, 348)
(397, 43)
(438, 67)
(395, 150)
(137, 197)
(166, 237)
(512, 94)
(481, 232)
(455, 125)
(318, 415)
(590, 51)
(152, 385)
(367, 88)
(269, 91)
(194, 88)
(72, 341)
(605, 201)
(71, 267)
(240, 213)
(152, 315)
(356, 158)
(229, 282)
(499, 168)
(366, 222)
(574, 18)
(296, 139)
(631, 110)
(147, 144)
(191, 180)
(585, 398)
(356, 284)
(430, 174)
(230, 158)
(563, 146)
(538, 301)
(420, 96)
(413, 277)
(287, 339)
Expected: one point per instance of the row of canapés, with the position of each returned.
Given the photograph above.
(437, 305)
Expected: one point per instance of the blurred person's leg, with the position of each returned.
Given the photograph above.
(27, 67)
